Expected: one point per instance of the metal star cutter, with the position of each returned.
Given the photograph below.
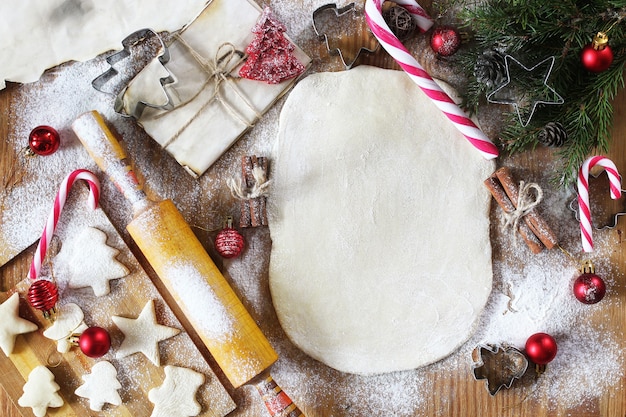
(515, 90)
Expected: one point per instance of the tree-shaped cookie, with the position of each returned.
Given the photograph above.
(85, 260)
(270, 54)
(143, 334)
(40, 392)
(100, 386)
(177, 396)
(11, 324)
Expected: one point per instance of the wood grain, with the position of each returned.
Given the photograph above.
(452, 391)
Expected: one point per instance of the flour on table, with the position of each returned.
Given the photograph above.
(68, 320)
(381, 258)
(101, 386)
(177, 396)
(40, 392)
(11, 324)
(85, 260)
(143, 334)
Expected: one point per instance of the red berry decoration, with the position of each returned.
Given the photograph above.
(445, 40)
(589, 288)
(43, 295)
(94, 342)
(229, 242)
(597, 56)
(541, 348)
(44, 140)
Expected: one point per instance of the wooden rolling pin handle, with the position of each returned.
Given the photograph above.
(276, 400)
(104, 148)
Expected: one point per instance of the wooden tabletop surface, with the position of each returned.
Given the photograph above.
(453, 393)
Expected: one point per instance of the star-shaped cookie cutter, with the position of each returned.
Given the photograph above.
(116, 79)
(496, 96)
(338, 12)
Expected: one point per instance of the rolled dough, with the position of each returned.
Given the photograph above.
(381, 259)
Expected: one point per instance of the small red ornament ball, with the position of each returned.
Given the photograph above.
(43, 295)
(596, 60)
(44, 140)
(589, 288)
(445, 40)
(541, 348)
(94, 342)
(229, 243)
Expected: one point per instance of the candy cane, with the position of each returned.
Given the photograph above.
(53, 218)
(583, 194)
(395, 48)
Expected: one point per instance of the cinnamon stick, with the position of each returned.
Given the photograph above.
(498, 193)
(253, 211)
(536, 223)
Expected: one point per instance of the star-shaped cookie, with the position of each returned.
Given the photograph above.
(11, 324)
(143, 334)
(85, 260)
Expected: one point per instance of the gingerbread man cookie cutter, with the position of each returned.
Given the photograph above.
(319, 16)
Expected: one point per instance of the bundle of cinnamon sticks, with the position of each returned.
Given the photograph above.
(533, 229)
(253, 210)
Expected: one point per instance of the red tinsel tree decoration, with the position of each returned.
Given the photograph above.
(270, 54)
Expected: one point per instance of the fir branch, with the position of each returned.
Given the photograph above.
(531, 30)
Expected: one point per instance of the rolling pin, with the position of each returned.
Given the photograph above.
(189, 274)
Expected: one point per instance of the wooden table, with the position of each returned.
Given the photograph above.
(453, 393)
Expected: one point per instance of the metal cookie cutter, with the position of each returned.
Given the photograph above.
(499, 366)
(321, 14)
(139, 49)
(573, 206)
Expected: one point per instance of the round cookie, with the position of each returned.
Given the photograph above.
(381, 259)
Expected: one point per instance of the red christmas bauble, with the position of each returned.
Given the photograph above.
(597, 56)
(44, 140)
(541, 348)
(94, 342)
(445, 40)
(43, 295)
(229, 242)
(589, 288)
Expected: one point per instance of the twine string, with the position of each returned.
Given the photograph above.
(259, 189)
(525, 204)
(227, 58)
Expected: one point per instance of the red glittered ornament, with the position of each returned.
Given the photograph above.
(541, 348)
(589, 288)
(597, 56)
(229, 242)
(94, 342)
(44, 140)
(445, 40)
(43, 295)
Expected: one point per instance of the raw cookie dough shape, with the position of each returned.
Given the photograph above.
(11, 324)
(40, 391)
(69, 321)
(101, 386)
(86, 260)
(177, 396)
(143, 334)
(381, 259)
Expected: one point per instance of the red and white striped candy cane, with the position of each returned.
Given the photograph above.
(53, 218)
(395, 48)
(583, 194)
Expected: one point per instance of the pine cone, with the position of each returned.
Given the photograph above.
(490, 68)
(553, 134)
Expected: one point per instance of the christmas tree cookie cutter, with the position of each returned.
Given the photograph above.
(140, 48)
(320, 15)
(498, 366)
